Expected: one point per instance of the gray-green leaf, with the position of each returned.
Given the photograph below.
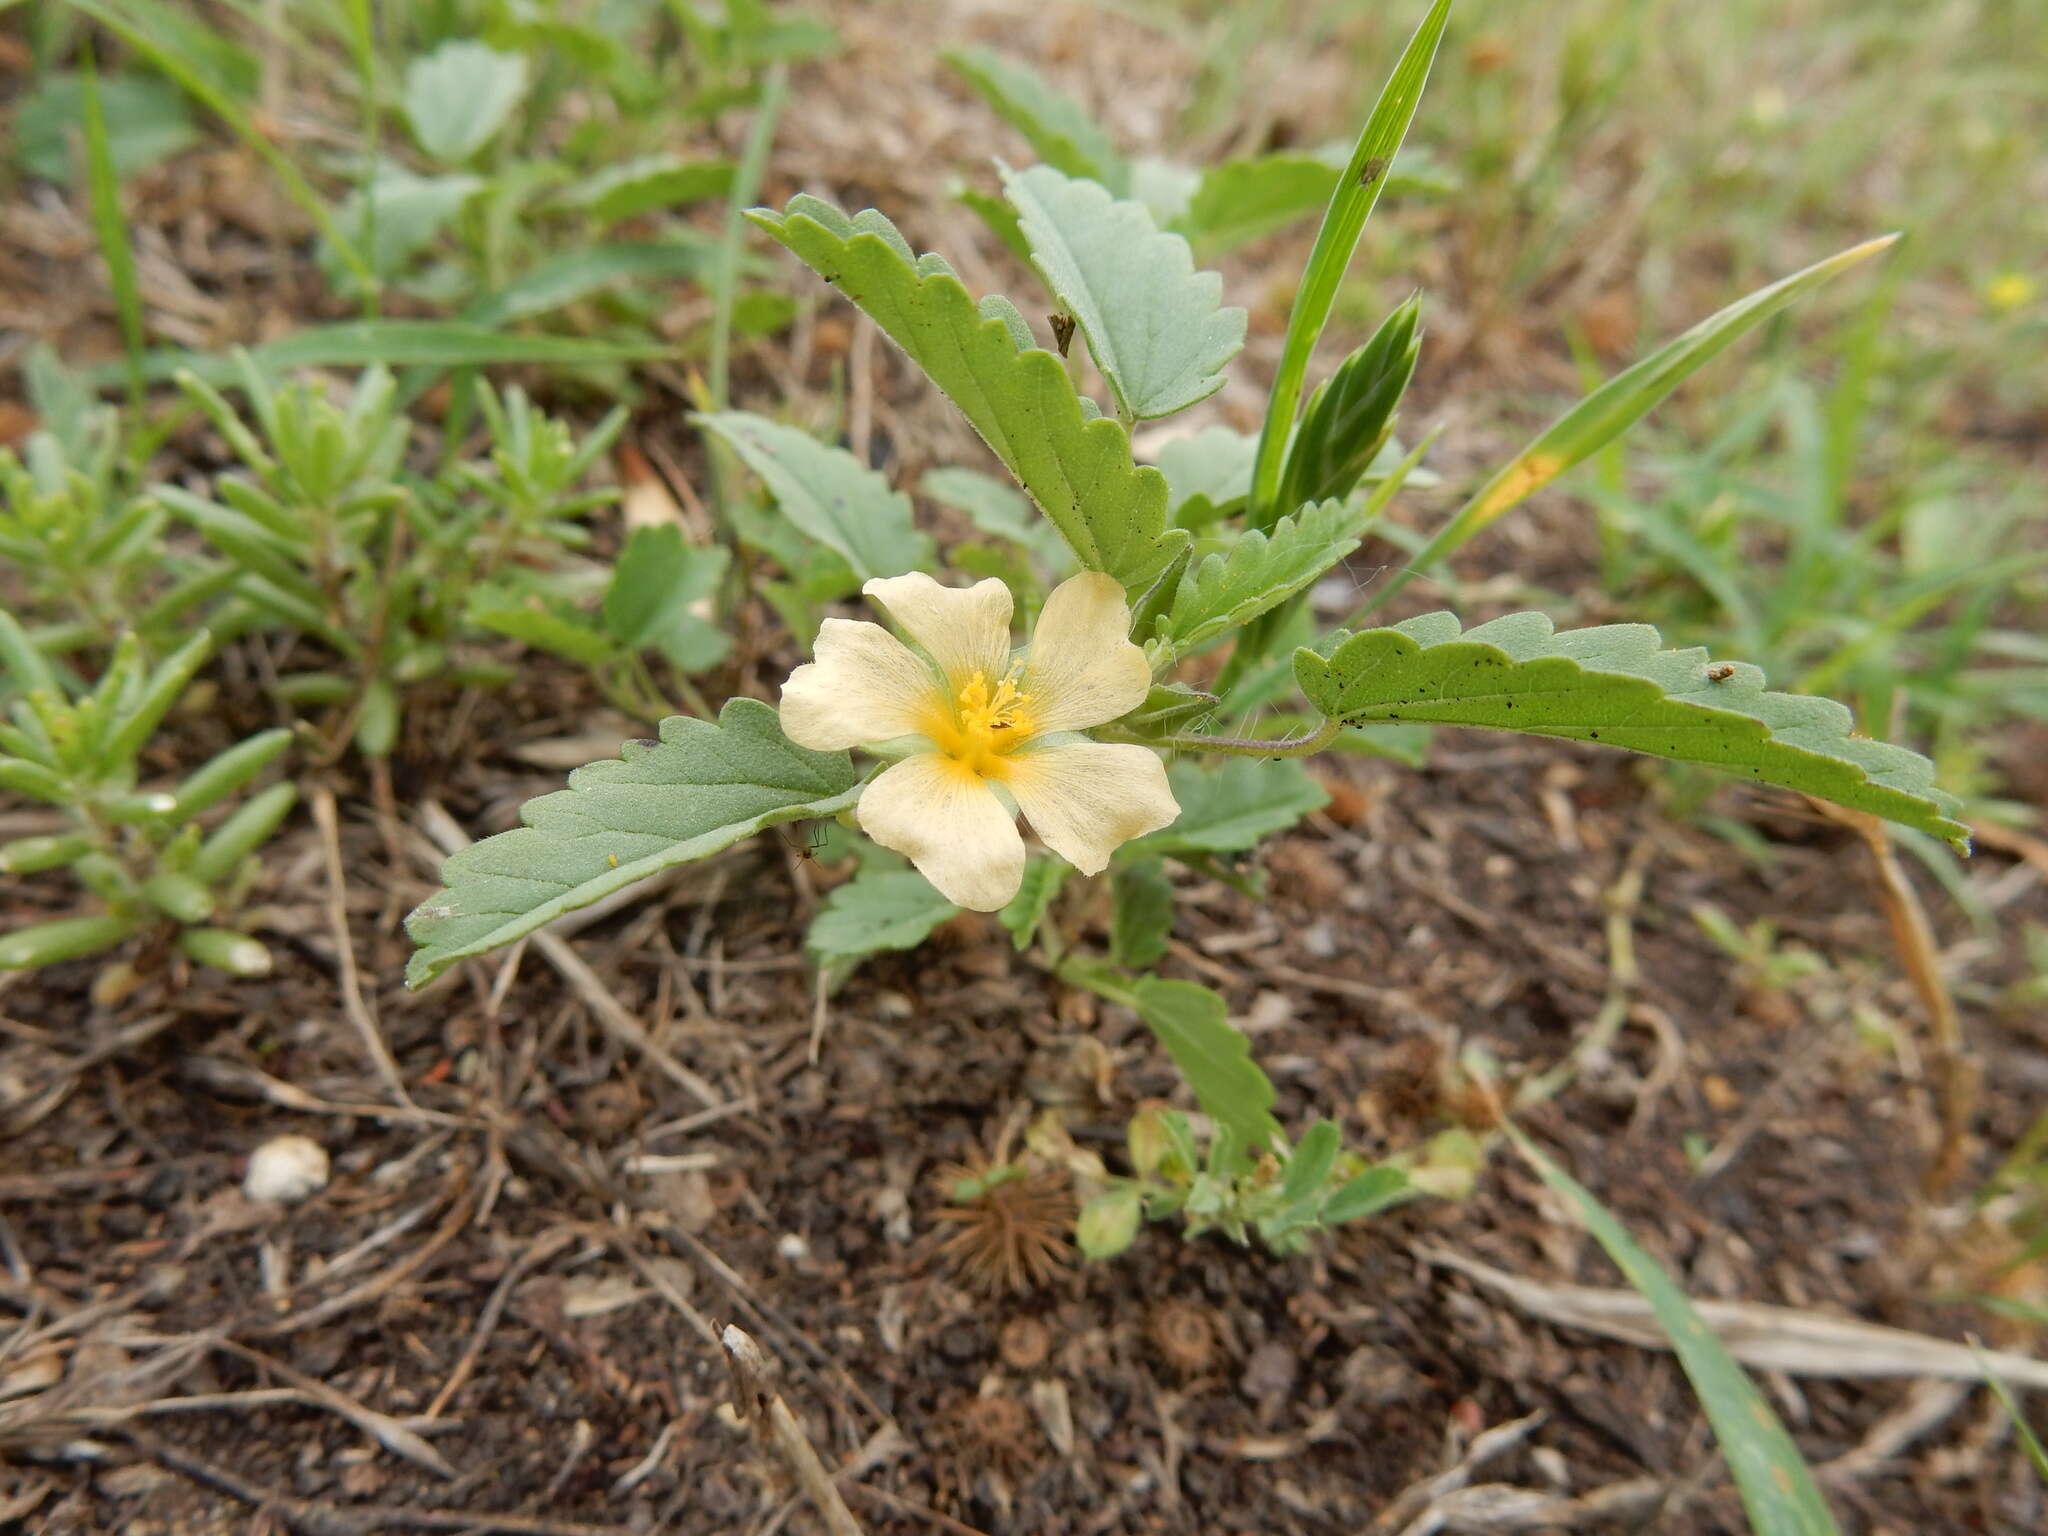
(1612, 685)
(1156, 327)
(827, 493)
(459, 95)
(1234, 806)
(1053, 123)
(1213, 1055)
(1111, 512)
(701, 788)
(1229, 589)
(878, 909)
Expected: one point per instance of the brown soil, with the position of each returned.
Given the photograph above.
(517, 1282)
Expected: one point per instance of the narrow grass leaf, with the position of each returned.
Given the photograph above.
(570, 276)
(1777, 1489)
(1364, 178)
(1156, 327)
(1617, 405)
(2022, 1430)
(110, 224)
(200, 79)
(1613, 686)
(702, 787)
(1079, 471)
(396, 344)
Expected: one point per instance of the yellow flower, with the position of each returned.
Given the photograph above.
(2009, 291)
(990, 734)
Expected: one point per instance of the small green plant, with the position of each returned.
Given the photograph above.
(90, 554)
(331, 537)
(510, 172)
(144, 854)
(1286, 1198)
(1097, 730)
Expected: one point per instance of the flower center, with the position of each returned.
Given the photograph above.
(988, 723)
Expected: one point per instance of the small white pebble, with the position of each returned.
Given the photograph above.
(791, 1248)
(286, 1169)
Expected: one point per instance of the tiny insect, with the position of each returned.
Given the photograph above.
(612, 859)
(1062, 331)
(1721, 672)
(806, 850)
(1372, 170)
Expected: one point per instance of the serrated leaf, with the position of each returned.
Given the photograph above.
(1043, 878)
(1231, 807)
(1052, 122)
(1229, 589)
(1240, 200)
(1777, 1489)
(1350, 416)
(879, 909)
(827, 493)
(1156, 327)
(703, 787)
(1213, 1055)
(1614, 686)
(1002, 511)
(1142, 916)
(1208, 474)
(1111, 512)
(459, 95)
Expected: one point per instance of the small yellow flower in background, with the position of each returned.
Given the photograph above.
(993, 733)
(2009, 291)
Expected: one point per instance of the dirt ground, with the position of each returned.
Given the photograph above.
(501, 1313)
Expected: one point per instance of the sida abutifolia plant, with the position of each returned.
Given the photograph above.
(148, 856)
(933, 730)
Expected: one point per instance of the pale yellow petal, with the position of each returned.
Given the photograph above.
(964, 629)
(1086, 799)
(1083, 669)
(949, 823)
(866, 685)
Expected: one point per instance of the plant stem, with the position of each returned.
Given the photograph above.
(1253, 746)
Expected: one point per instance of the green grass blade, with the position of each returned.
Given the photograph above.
(1616, 406)
(395, 344)
(1350, 206)
(746, 182)
(198, 83)
(2029, 1441)
(1777, 1489)
(108, 222)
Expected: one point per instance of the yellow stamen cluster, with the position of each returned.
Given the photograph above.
(987, 723)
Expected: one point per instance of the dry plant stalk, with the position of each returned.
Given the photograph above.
(1955, 1071)
(777, 1428)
